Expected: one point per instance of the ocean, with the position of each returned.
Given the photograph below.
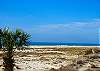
(61, 43)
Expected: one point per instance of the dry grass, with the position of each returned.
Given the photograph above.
(60, 51)
(64, 68)
(56, 54)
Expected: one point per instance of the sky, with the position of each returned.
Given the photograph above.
(74, 21)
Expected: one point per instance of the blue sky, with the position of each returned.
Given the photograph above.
(53, 20)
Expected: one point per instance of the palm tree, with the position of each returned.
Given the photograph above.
(9, 41)
(21, 38)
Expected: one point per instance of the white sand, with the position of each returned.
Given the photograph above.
(43, 62)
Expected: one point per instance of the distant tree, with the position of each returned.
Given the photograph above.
(0, 38)
(10, 40)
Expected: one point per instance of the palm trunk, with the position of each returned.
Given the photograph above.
(8, 61)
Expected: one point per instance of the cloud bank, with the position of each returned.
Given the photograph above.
(77, 31)
(83, 32)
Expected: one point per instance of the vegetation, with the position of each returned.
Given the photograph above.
(9, 40)
(0, 38)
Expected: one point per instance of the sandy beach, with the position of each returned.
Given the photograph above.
(44, 58)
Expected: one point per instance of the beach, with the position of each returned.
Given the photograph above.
(44, 58)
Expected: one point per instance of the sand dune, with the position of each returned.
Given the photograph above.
(44, 58)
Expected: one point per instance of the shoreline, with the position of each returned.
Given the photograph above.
(58, 46)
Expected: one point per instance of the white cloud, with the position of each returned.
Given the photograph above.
(62, 28)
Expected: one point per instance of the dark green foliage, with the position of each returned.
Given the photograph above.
(0, 38)
(9, 40)
(21, 38)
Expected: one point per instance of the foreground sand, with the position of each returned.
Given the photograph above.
(44, 58)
